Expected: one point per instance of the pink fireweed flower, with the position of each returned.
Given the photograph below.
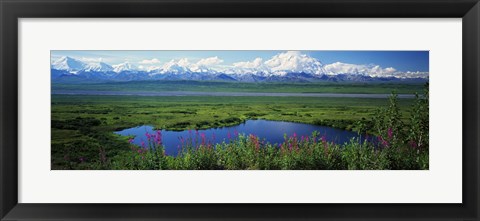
(202, 135)
(130, 140)
(255, 141)
(325, 144)
(282, 149)
(142, 144)
(390, 133)
(385, 143)
(382, 141)
(229, 136)
(158, 137)
(148, 135)
(324, 139)
(294, 134)
(158, 134)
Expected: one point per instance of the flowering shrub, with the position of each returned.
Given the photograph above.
(244, 152)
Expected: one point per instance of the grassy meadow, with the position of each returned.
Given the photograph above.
(219, 86)
(83, 125)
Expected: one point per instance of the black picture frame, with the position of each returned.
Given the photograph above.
(12, 10)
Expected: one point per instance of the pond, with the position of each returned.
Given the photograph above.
(272, 131)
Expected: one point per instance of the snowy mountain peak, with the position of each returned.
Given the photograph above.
(294, 62)
(98, 67)
(280, 65)
(125, 66)
(68, 64)
(174, 67)
(288, 66)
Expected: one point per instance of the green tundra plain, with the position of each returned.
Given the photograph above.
(83, 125)
(219, 86)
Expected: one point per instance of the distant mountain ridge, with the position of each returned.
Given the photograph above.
(71, 70)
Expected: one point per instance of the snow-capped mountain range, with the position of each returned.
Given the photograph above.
(290, 66)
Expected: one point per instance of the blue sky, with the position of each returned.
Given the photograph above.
(400, 60)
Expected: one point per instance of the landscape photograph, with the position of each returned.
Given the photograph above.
(239, 110)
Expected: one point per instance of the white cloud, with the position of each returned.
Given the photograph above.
(256, 66)
(371, 70)
(151, 61)
(209, 61)
(362, 69)
(257, 63)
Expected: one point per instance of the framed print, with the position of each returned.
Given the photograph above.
(207, 114)
(239, 110)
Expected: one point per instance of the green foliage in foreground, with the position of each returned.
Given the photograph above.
(398, 147)
(251, 153)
